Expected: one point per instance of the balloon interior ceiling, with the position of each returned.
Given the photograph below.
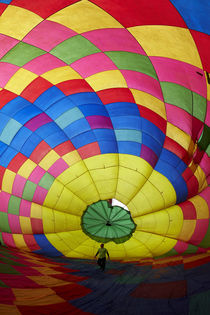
(103, 100)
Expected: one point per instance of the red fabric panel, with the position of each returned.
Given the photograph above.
(64, 148)
(17, 162)
(35, 89)
(3, 6)
(176, 289)
(40, 151)
(37, 226)
(43, 8)
(200, 231)
(203, 46)
(6, 296)
(5, 97)
(71, 291)
(176, 148)
(31, 242)
(153, 117)
(188, 210)
(74, 86)
(116, 95)
(89, 150)
(2, 171)
(197, 125)
(143, 12)
(18, 281)
(192, 186)
(195, 263)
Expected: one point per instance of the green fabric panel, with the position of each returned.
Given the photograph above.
(191, 249)
(206, 240)
(4, 223)
(8, 269)
(172, 252)
(178, 95)
(132, 61)
(208, 150)
(46, 181)
(204, 140)
(128, 135)
(14, 205)
(3, 285)
(10, 262)
(73, 49)
(1, 239)
(22, 53)
(29, 190)
(199, 106)
(199, 303)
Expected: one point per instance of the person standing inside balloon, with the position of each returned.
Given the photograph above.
(101, 253)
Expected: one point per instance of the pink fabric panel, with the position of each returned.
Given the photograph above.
(200, 231)
(99, 122)
(142, 82)
(8, 239)
(32, 244)
(58, 167)
(114, 39)
(205, 165)
(6, 43)
(36, 175)
(38, 121)
(44, 63)
(179, 118)
(178, 72)
(205, 194)
(25, 208)
(18, 185)
(7, 70)
(39, 195)
(207, 119)
(4, 200)
(180, 247)
(14, 223)
(92, 64)
(47, 35)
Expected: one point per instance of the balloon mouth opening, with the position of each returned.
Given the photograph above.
(104, 222)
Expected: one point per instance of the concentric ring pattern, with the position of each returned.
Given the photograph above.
(104, 99)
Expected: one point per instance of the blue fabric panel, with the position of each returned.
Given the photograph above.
(93, 109)
(56, 139)
(30, 144)
(174, 177)
(83, 139)
(3, 121)
(122, 109)
(128, 147)
(5, 1)
(46, 247)
(7, 156)
(12, 107)
(69, 117)
(20, 138)
(85, 98)
(25, 114)
(105, 135)
(60, 107)
(77, 127)
(10, 131)
(108, 146)
(49, 97)
(153, 130)
(126, 122)
(47, 130)
(194, 13)
(181, 167)
(151, 143)
(173, 160)
(3, 147)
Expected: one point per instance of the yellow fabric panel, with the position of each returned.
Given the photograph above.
(71, 157)
(105, 187)
(49, 159)
(176, 221)
(84, 249)
(106, 80)
(136, 163)
(165, 245)
(19, 241)
(72, 173)
(167, 41)
(132, 177)
(84, 188)
(165, 188)
(38, 296)
(135, 249)
(187, 230)
(139, 205)
(53, 194)
(115, 250)
(12, 22)
(66, 222)
(149, 101)
(36, 211)
(48, 281)
(201, 178)
(92, 17)
(27, 168)
(70, 203)
(58, 242)
(102, 161)
(48, 220)
(61, 74)
(8, 180)
(9, 309)
(201, 206)
(20, 80)
(25, 224)
(126, 190)
(180, 137)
